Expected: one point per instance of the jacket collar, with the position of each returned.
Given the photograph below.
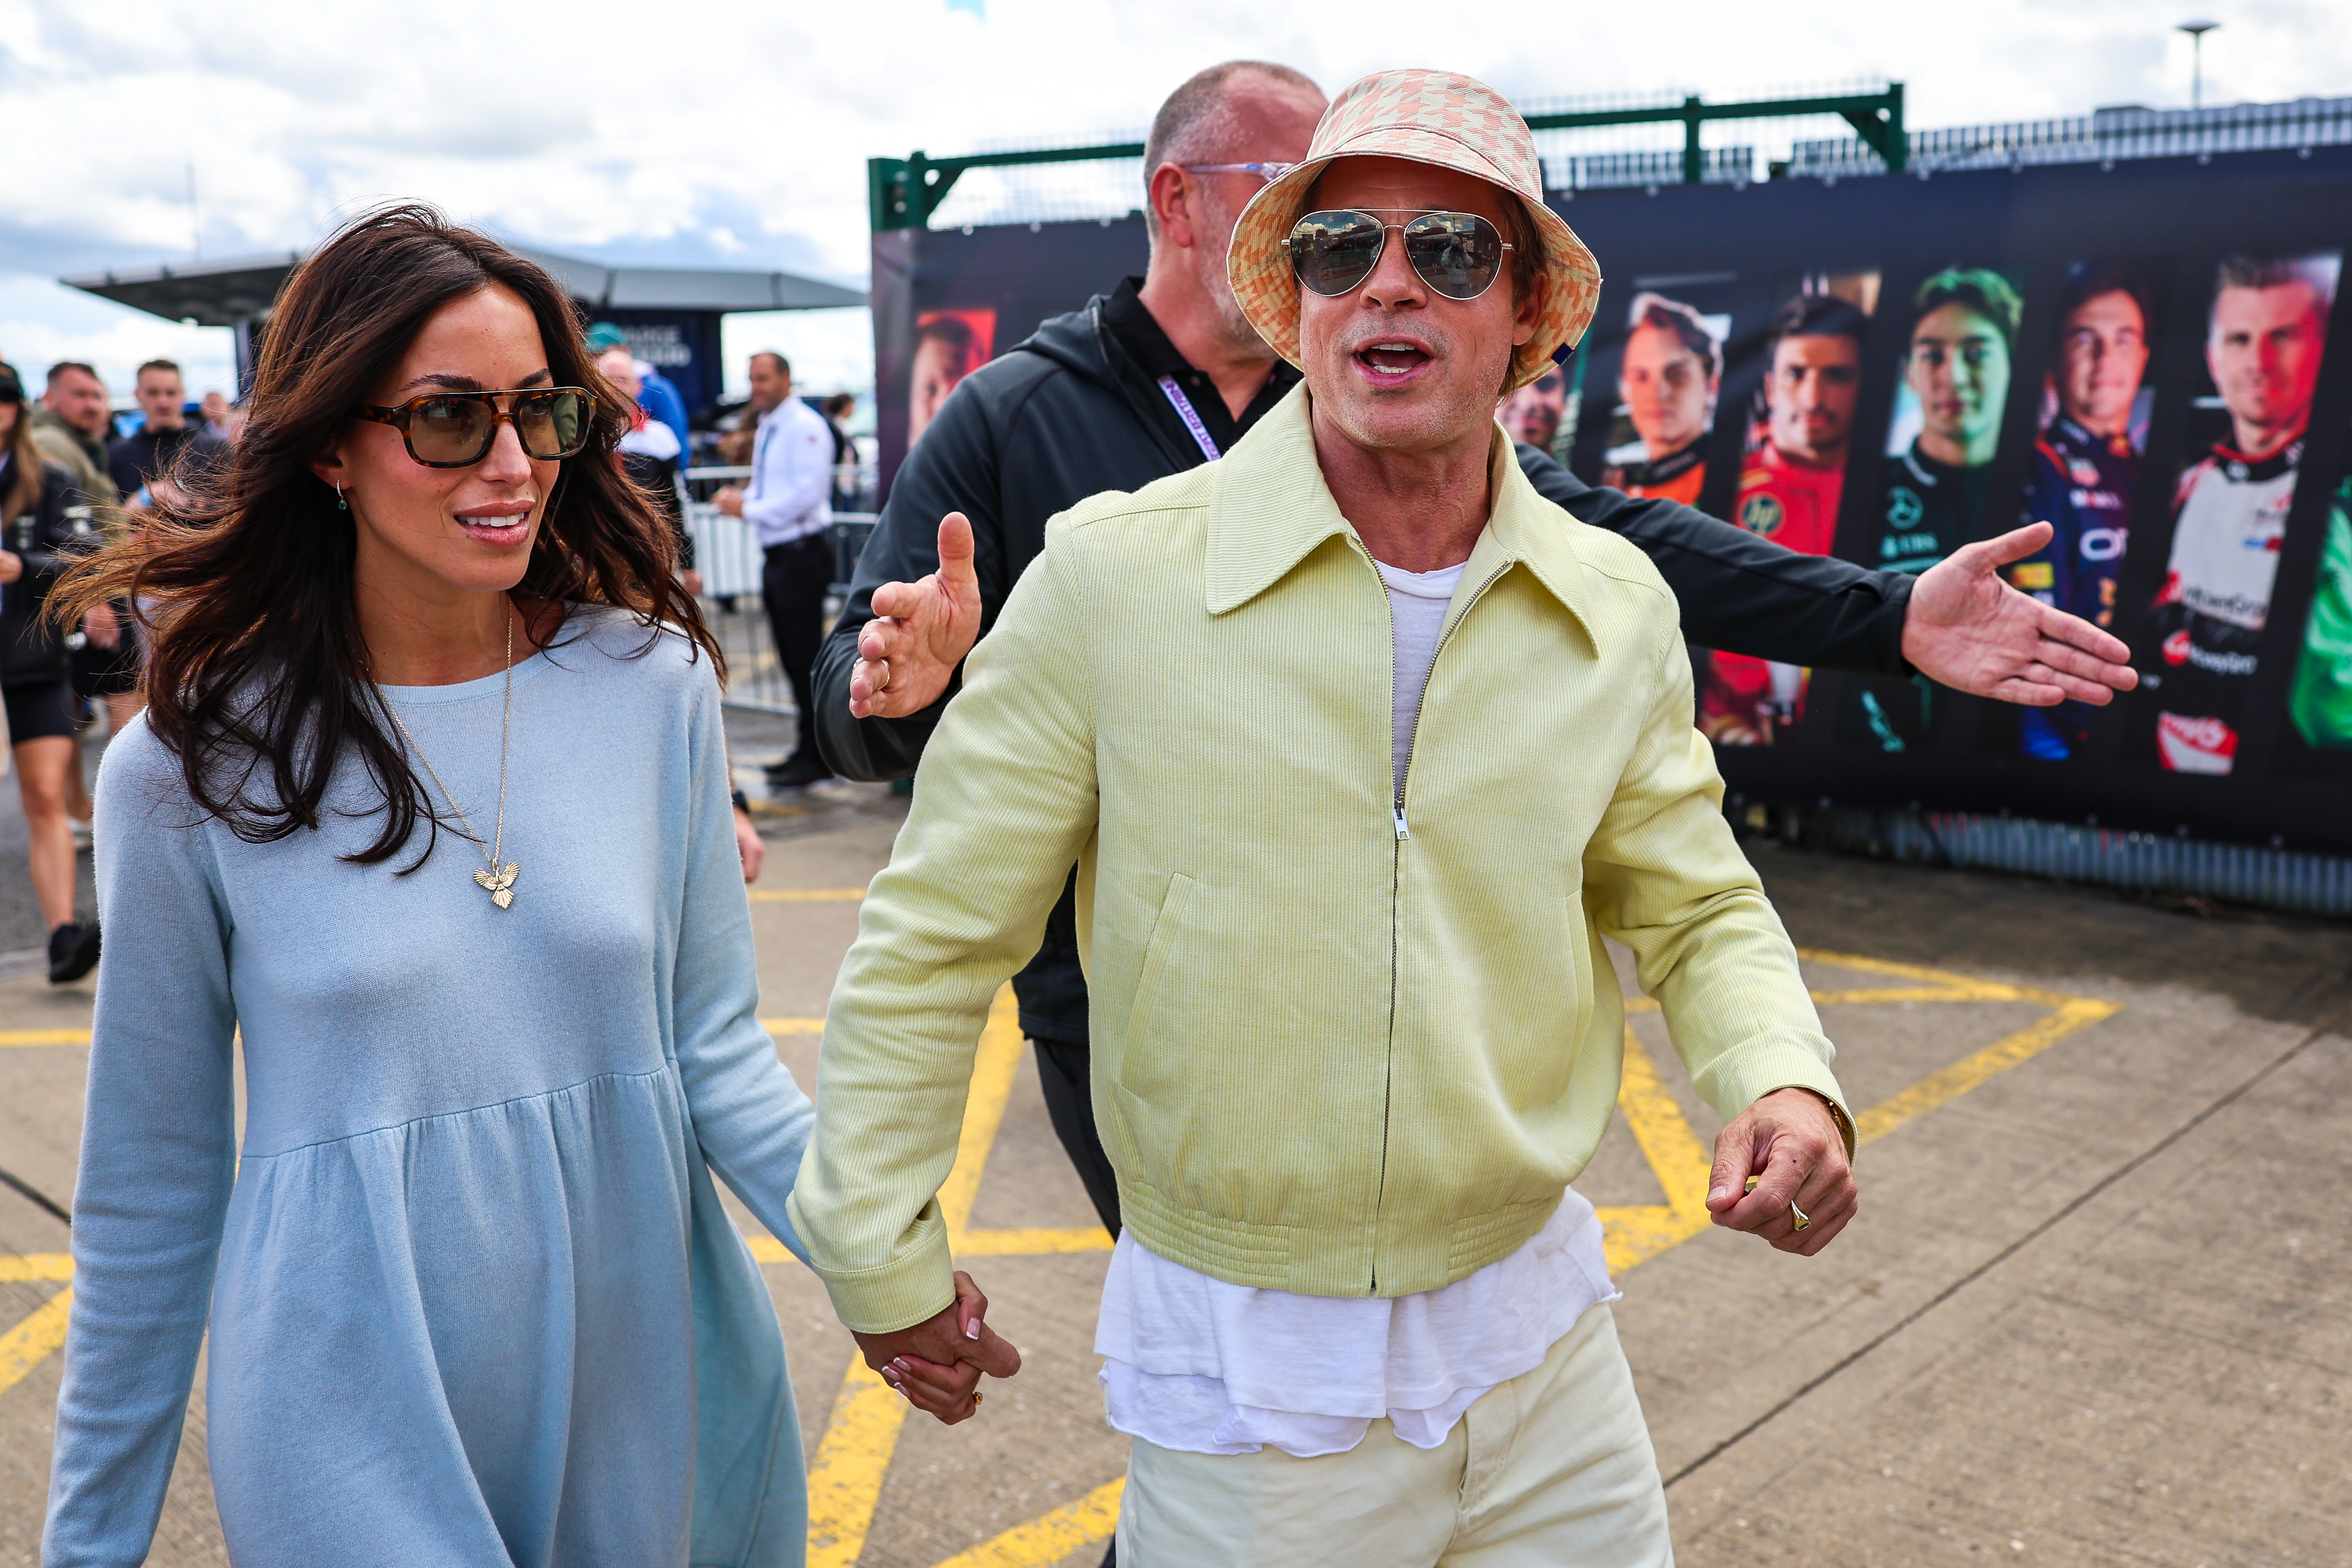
(1272, 509)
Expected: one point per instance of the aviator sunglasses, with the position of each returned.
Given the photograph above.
(455, 429)
(1459, 255)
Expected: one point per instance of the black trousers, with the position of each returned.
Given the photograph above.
(1062, 1074)
(792, 581)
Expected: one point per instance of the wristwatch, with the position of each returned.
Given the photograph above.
(742, 802)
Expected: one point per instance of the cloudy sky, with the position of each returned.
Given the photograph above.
(734, 132)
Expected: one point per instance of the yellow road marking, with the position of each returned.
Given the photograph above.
(44, 1037)
(805, 894)
(27, 1344)
(1940, 1088)
(845, 1479)
(792, 1026)
(34, 1266)
(1678, 1158)
(1049, 1537)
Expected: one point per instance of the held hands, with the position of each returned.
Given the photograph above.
(1970, 630)
(1789, 1140)
(919, 633)
(937, 1362)
(729, 501)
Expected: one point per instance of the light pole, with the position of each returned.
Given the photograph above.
(2197, 31)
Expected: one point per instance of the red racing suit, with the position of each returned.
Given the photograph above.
(1746, 700)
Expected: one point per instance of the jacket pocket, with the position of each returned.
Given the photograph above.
(1167, 930)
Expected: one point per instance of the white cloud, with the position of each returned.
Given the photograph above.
(736, 131)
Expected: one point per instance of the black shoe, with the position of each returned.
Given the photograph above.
(798, 773)
(73, 951)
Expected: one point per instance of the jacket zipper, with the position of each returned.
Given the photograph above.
(1396, 864)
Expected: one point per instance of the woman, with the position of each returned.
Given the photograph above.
(42, 520)
(430, 807)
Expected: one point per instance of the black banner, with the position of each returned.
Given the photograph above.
(2144, 353)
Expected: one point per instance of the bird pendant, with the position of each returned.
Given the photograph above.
(499, 887)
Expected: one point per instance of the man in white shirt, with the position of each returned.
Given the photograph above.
(789, 503)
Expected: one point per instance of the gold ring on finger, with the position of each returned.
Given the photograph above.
(975, 1401)
(1802, 1222)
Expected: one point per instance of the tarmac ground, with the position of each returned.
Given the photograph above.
(2096, 1308)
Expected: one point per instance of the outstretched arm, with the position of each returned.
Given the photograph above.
(1958, 623)
(1971, 631)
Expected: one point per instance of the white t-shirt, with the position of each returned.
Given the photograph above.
(1198, 1364)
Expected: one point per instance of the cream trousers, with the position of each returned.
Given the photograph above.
(1552, 1470)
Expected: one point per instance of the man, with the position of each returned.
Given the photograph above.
(1356, 1029)
(2084, 471)
(790, 504)
(1963, 329)
(166, 441)
(71, 427)
(1107, 398)
(1788, 493)
(1669, 380)
(649, 455)
(2229, 515)
(656, 393)
(1532, 415)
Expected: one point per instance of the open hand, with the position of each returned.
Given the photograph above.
(919, 633)
(1790, 1142)
(937, 1362)
(1970, 630)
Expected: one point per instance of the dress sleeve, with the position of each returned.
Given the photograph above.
(751, 1118)
(158, 1158)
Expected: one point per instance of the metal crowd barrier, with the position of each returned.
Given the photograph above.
(727, 554)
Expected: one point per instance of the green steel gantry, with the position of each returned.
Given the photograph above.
(903, 192)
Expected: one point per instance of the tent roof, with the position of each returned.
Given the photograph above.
(222, 293)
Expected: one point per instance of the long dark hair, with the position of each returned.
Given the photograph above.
(256, 672)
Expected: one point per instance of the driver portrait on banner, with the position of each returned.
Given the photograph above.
(1789, 487)
(2085, 468)
(2265, 336)
(1668, 384)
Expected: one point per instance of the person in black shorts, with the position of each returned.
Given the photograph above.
(42, 517)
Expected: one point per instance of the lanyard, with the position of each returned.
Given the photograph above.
(1191, 416)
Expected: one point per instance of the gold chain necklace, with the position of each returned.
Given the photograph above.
(496, 880)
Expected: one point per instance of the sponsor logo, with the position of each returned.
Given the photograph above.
(2082, 472)
(1761, 515)
(2032, 574)
(1894, 546)
(2103, 544)
(1904, 507)
(2181, 648)
(2095, 500)
(2188, 744)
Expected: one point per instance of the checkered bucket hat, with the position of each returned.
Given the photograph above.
(1429, 117)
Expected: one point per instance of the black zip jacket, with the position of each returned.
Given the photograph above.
(45, 537)
(1077, 409)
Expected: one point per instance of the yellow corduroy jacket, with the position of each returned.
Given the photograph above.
(1343, 1043)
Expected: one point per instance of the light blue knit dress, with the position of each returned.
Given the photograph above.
(473, 1300)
